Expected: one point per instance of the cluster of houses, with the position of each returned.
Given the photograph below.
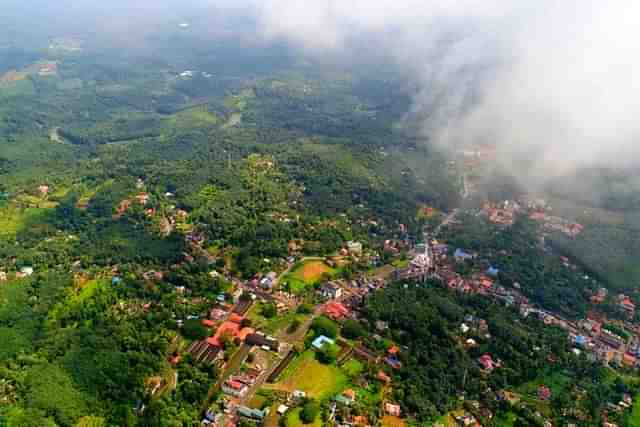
(229, 325)
(503, 213)
(557, 224)
(587, 335)
(506, 212)
(19, 274)
(238, 385)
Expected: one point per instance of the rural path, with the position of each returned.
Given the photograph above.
(446, 221)
(231, 367)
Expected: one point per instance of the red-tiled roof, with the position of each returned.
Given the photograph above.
(226, 328)
(235, 318)
(336, 310)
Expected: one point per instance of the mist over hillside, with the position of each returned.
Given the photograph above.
(551, 84)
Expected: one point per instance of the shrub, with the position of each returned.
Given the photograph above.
(195, 330)
(324, 326)
(309, 412)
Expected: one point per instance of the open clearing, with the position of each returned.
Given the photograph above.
(317, 380)
(389, 421)
(13, 219)
(312, 271)
(305, 274)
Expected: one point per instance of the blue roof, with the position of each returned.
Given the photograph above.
(459, 253)
(116, 280)
(319, 342)
(492, 271)
(581, 340)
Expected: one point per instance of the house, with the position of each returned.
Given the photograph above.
(466, 420)
(254, 414)
(331, 290)
(354, 248)
(263, 341)
(349, 395)
(152, 275)
(492, 271)
(626, 303)
(298, 394)
(383, 377)
(364, 354)
(421, 261)
(26, 271)
(392, 409)
(3, 276)
(234, 388)
(381, 325)
(461, 255)
(629, 360)
(142, 198)
(269, 280)
(282, 409)
(320, 342)
(392, 358)
(217, 314)
(202, 351)
(227, 329)
(544, 393)
(343, 400)
(487, 363)
(580, 340)
(336, 310)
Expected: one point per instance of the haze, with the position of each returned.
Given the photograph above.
(551, 83)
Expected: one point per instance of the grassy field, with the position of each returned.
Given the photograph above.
(389, 421)
(306, 274)
(193, 117)
(556, 383)
(633, 420)
(13, 220)
(353, 368)
(274, 325)
(317, 380)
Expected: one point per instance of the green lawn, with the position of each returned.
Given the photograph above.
(316, 379)
(305, 274)
(556, 382)
(13, 219)
(271, 326)
(634, 417)
(353, 368)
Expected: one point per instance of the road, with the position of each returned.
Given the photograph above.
(446, 221)
(287, 342)
(231, 367)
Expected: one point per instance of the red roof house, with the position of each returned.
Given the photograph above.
(336, 310)
(487, 362)
(227, 327)
(544, 393)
